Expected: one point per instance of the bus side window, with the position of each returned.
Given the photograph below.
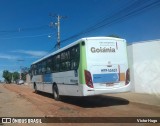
(57, 67)
(75, 55)
(65, 61)
(53, 67)
(32, 70)
(39, 69)
(67, 55)
(43, 66)
(35, 69)
(57, 62)
(62, 66)
(68, 65)
(48, 65)
(63, 56)
(75, 52)
(58, 58)
(74, 64)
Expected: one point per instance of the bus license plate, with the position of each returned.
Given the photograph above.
(109, 84)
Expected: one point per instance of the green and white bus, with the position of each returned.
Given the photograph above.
(89, 66)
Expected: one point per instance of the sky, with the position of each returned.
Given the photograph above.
(26, 35)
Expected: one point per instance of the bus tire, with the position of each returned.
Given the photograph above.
(56, 92)
(35, 88)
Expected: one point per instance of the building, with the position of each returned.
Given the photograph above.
(144, 62)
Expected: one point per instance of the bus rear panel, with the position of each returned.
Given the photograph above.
(107, 66)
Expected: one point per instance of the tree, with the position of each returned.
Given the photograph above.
(23, 76)
(15, 76)
(7, 76)
(24, 71)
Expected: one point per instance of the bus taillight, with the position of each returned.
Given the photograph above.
(88, 79)
(127, 77)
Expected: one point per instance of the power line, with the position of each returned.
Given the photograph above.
(126, 16)
(135, 8)
(116, 18)
(98, 23)
(42, 27)
(33, 36)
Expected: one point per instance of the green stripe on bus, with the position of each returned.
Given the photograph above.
(82, 64)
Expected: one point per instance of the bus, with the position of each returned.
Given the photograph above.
(89, 66)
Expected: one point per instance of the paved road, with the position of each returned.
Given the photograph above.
(20, 101)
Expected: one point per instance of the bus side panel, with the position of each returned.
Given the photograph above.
(47, 87)
(67, 83)
(85, 90)
(38, 80)
(48, 82)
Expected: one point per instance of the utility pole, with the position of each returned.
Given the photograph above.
(57, 24)
(58, 32)
(20, 76)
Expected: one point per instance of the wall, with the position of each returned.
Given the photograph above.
(144, 62)
(28, 81)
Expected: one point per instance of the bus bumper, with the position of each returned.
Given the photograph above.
(89, 91)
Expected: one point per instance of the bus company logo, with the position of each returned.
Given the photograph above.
(102, 50)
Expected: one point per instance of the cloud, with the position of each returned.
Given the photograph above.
(32, 53)
(8, 57)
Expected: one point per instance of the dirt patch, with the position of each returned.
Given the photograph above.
(19, 100)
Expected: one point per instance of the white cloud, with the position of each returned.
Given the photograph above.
(8, 57)
(32, 53)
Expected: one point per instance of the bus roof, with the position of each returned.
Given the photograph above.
(72, 44)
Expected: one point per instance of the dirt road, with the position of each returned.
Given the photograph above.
(20, 101)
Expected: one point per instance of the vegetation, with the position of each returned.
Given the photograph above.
(7, 76)
(13, 77)
(24, 71)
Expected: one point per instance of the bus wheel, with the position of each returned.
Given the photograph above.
(35, 89)
(56, 92)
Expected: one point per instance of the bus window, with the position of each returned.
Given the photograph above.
(75, 52)
(67, 55)
(65, 61)
(58, 58)
(74, 64)
(39, 68)
(49, 65)
(63, 56)
(68, 64)
(35, 69)
(43, 67)
(75, 55)
(56, 67)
